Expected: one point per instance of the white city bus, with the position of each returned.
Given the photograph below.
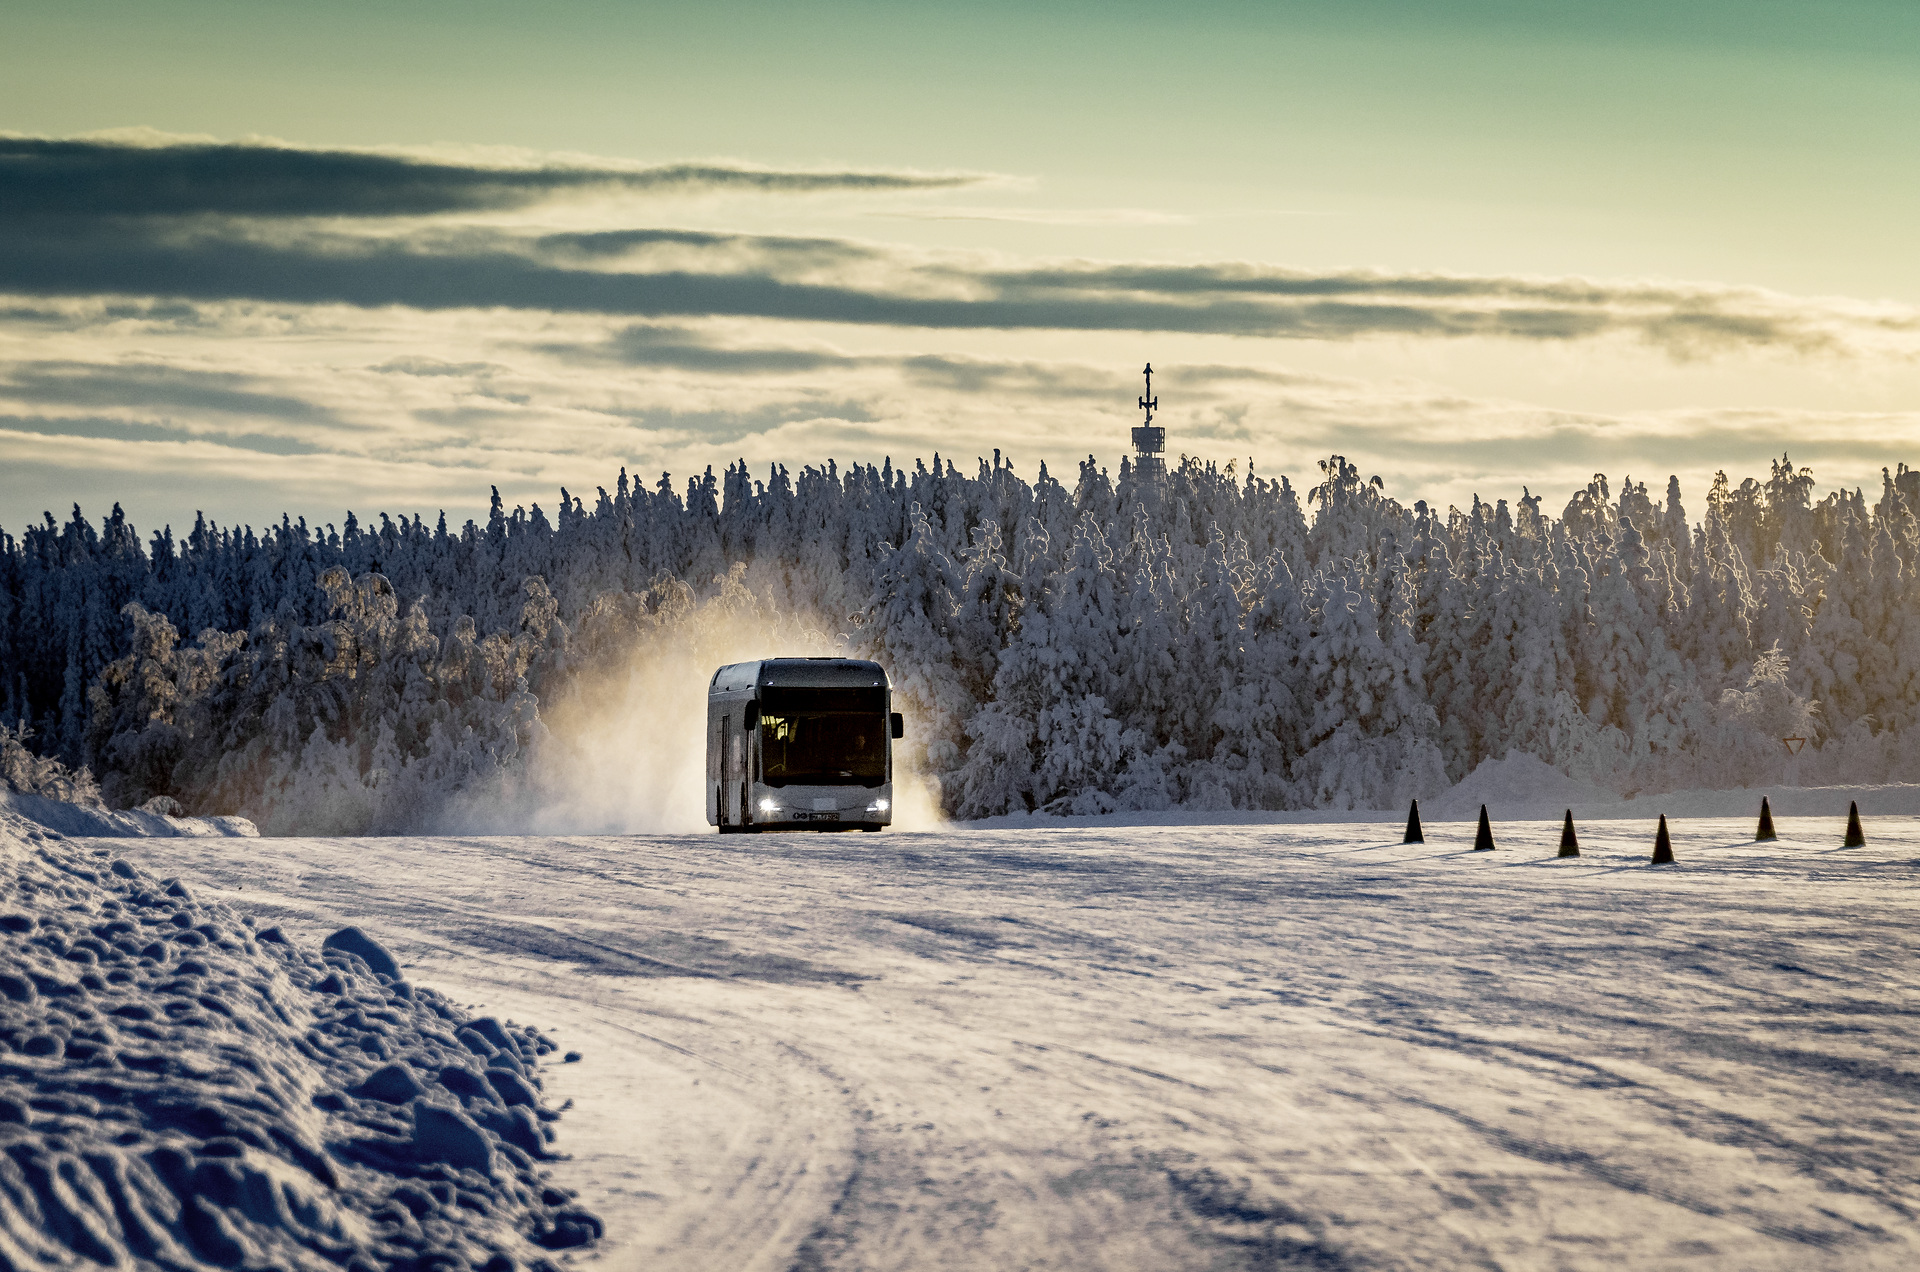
(800, 743)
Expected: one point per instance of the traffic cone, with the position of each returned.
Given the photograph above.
(1483, 840)
(1413, 835)
(1662, 845)
(1855, 839)
(1569, 842)
(1766, 822)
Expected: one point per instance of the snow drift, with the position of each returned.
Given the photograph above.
(180, 1091)
(1516, 785)
(1519, 787)
(90, 822)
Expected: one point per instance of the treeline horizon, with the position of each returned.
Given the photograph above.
(1200, 639)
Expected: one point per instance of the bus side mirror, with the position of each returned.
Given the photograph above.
(753, 715)
(899, 725)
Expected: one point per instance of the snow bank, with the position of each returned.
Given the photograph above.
(179, 1091)
(1520, 785)
(1899, 800)
(1171, 817)
(96, 823)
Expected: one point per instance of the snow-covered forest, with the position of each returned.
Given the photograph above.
(1201, 640)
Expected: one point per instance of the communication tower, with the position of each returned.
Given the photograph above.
(1149, 439)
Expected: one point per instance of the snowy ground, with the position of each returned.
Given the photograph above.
(1186, 1047)
(182, 1089)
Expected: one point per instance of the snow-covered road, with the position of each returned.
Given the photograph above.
(1191, 1047)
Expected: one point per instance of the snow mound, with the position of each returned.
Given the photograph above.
(1519, 785)
(87, 822)
(178, 1091)
(1895, 800)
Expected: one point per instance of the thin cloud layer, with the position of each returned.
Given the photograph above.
(256, 222)
(155, 386)
(44, 177)
(249, 412)
(712, 275)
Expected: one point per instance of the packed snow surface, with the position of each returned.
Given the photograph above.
(179, 1090)
(1187, 1047)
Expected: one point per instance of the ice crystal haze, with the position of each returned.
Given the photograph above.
(1190, 640)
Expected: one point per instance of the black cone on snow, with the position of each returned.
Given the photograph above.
(1855, 837)
(1414, 834)
(1483, 839)
(1569, 842)
(1662, 845)
(1766, 822)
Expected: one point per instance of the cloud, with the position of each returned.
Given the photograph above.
(685, 349)
(102, 427)
(155, 385)
(69, 314)
(414, 411)
(47, 177)
(703, 251)
(1075, 217)
(416, 365)
(157, 224)
(709, 275)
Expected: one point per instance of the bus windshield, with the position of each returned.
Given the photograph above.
(823, 737)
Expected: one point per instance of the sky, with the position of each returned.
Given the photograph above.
(305, 259)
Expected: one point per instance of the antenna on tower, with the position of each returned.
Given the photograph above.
(1149, 439)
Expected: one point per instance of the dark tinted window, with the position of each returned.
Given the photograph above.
(781, 701)
(823, 737)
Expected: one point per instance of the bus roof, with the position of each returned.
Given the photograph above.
(849, 673)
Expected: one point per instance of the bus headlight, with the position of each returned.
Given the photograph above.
(878, 806)
(768, 806)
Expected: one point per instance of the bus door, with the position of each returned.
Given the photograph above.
(733, 792)
(717, 767)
